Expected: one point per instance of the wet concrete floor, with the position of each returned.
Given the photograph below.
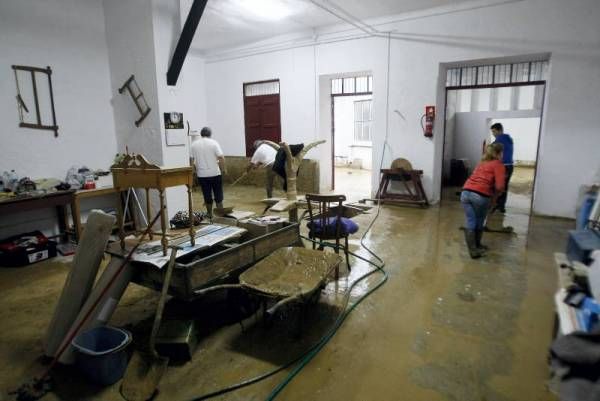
(443, 328)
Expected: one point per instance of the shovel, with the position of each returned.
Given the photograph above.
(146, 369)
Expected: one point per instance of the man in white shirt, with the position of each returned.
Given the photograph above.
(264, 156)
(209, 162)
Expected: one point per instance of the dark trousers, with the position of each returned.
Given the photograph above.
(501, 202)
(210, 186)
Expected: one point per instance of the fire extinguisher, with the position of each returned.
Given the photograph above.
(429, 117)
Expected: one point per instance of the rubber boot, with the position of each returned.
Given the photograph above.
(478, 244)
(471, 244)
(209, 208)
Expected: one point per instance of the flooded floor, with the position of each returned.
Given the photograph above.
(443, 328)
(354, 183)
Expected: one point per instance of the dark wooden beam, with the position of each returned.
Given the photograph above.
(185, 40)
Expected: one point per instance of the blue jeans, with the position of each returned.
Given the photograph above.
(476, 208)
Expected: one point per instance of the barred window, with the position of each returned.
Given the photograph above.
(363, 117)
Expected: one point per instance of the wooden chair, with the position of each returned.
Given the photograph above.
(326, 223)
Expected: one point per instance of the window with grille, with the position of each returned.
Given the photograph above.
(261, 88)
(352, 85)
(498, 74)
(363, 117)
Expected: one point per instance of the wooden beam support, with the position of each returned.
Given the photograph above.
(185, 40)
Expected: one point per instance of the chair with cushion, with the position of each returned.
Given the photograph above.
(326, 223)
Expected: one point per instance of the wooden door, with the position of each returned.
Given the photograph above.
(262, 120)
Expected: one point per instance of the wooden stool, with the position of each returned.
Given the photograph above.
(411, 180)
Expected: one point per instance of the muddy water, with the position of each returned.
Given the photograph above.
(444, 327)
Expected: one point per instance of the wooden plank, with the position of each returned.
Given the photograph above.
(220, 265)
(80, 279)
(107, 305)
(90, 193)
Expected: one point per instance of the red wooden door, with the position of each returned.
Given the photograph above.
(262, 119)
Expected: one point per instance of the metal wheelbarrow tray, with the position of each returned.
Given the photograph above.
(287, 275)
(218, 264)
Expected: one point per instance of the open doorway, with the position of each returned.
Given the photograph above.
(509, 94)
(352, 149)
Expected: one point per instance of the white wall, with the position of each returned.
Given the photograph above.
(567, 30)
(141, 37)
(472, 128)
(188, 96)
(68, 36)
(130, 38)
(304, 74)
(225, 108)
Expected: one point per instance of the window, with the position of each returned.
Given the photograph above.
(499, 74)
(261, 88)
(363, 116)
(352, 85)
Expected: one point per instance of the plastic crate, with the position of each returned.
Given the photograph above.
(25, 249)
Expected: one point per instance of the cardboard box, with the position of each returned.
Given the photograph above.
(262, 225)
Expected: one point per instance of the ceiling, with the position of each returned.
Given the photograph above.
(227, 23)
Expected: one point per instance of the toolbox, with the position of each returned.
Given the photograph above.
(25, 249)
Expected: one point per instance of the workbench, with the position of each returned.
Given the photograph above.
(24, 203)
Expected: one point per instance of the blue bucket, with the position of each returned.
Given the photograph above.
(101, 353)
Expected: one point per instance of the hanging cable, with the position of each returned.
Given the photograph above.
(301, 361)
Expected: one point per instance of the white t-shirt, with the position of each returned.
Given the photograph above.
(264, 154)
(206, 152)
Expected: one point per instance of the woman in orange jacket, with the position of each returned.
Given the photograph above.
(485, 184)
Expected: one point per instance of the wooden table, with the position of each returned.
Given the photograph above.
(85, 194)
(58, 200)
(134, 171)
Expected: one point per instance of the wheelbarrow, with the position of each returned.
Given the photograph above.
(290, 274)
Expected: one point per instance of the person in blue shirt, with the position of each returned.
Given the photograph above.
(507, 159)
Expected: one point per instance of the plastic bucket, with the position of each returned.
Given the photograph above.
(101, 353)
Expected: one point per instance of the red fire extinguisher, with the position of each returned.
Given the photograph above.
(429, 117)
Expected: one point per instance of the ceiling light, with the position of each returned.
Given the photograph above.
(271, 10)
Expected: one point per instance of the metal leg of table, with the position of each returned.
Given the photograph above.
(63, 222)
(163, 222)
(191, 215)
